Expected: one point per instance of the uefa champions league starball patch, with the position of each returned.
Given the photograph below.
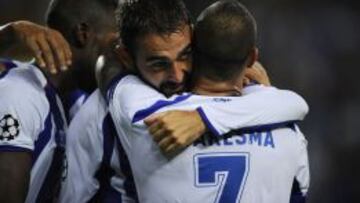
(9, 128)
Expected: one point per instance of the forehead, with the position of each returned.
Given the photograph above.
(162, 44)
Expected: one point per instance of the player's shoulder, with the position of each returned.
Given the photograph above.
(259, 88)
(93, 109)
(131, 93)
(129, 85)
(21, 88)
(21, 78)
(266, 92)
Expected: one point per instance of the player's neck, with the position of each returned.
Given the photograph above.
(63, 82)
(205, 86)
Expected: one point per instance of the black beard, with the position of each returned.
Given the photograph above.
(169, 88)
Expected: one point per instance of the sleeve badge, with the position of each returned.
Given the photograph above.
(9, 128)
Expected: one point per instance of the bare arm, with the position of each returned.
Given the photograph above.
(51, 51)
(15, 176)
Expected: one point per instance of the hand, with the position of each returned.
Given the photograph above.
(48, 46)
(175, 130)
(258, 73)
(2, 68)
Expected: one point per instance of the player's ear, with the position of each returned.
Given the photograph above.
(252, 57)
(82, 34)
(123, 55)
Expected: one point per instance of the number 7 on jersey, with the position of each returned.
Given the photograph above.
(227, 171)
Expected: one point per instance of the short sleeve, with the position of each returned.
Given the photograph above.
(130, 96)
(18, 122)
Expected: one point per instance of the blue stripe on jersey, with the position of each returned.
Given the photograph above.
(207, 122)
(106, 193)
(142, 114)
(266, 127)
(43, 139)
(296, 194)
(112, 196)
(112, 85)
(51, 185)
(129, 183)
(9, 148)
(8, 66)
(109, 140)
(75, 95)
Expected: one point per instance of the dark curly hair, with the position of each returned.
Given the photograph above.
(137, 18)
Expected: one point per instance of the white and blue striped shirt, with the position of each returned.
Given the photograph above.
(33, 121)
(98, 169)
(257, 163)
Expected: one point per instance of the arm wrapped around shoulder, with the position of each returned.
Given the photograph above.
(261, 106)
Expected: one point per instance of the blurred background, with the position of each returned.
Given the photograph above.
(311, 47)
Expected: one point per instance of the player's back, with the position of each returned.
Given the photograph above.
(256, 167)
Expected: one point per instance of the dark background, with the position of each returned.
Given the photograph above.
(311, 47)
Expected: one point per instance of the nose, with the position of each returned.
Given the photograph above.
(177, 72)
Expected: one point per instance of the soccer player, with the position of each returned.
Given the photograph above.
(33, 125)
(213, 169)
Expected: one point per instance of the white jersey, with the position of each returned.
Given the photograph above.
(75, 101)
(97, 167)
(259, 166)
(32, 120)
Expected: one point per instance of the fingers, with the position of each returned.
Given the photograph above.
(47, 54)
(171, 149)
(164, 143)
(66, 48)
(258, 66)
(246, 81)
(164, 137)
(252, 74)
(58, 49)
(51, 51)
(158, 132)
(149, 121)
(168, 147)
(257, 73)
(34, 47)
(153, 118)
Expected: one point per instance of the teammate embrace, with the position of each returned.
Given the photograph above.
(183, 118)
